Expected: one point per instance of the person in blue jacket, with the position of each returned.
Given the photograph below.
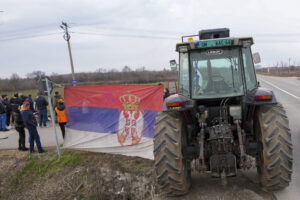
(41, 105)
(30, 124)
(29, 99)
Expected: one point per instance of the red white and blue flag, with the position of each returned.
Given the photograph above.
(113, 118)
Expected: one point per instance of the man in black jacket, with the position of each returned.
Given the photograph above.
(30, 124)
(15, 102)
(19, 125)
(22, 98)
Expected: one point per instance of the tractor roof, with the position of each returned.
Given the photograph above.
(214, 43)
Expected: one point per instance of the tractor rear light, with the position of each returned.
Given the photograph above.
(266, 97)
(175, 104)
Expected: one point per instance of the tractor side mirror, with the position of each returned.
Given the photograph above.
(173, 65)
(256, 58)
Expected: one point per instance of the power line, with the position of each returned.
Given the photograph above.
(29, 36)
(27, 29)
(126, 35)
(118, 28)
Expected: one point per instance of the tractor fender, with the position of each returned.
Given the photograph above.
(177, 98)
(252, 97)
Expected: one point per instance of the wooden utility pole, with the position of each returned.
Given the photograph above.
(67, 37)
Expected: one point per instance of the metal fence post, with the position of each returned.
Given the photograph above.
(52, 117)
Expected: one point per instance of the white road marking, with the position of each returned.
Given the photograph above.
(280, 89)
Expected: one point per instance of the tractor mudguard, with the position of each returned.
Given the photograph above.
(260, 96)
(180, 103)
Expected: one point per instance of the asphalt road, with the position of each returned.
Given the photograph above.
(46, 136)
(287, 91)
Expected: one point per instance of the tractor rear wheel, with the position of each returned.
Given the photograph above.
(172, 170)
(275, 161)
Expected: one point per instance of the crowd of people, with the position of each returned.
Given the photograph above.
(19, 113)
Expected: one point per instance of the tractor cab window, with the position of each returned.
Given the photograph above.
(183, 86)
(249, 69)
(216, 73)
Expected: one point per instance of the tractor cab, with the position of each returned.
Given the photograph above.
(215, 66)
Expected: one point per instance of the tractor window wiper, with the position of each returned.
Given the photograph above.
(231, 66)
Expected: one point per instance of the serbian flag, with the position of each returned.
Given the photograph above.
(113, 118)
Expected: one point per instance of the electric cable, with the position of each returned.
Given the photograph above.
(125, 35)
(29, 36)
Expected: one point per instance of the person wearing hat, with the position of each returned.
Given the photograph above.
(30, 124)
(19, 126)
(61, 116)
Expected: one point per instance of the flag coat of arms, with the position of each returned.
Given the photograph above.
(113, 118)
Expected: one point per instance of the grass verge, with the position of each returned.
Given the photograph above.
(42, 166)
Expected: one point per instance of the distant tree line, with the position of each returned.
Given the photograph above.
(280, 71)
(100, 76)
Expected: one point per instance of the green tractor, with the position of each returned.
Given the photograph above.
(221, 120)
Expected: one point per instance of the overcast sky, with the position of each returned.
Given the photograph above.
(114, 33)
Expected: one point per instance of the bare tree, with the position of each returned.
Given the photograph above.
(113, 70)
(141, 69)
(126, 69)
(15, 81)
(101, 70)
(35, 74)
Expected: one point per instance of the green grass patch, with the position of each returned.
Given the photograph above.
(139, 166)
(38, 167)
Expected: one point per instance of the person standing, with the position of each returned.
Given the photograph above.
(56, 97)
(29, 99)
(2, 115)
(30, 123)
(19, 126)
(8, 109)
(167, 93)
(22, 98)
(61, 116)
(41, 105)
(15, 102)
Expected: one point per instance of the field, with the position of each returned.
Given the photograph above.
(33, 92)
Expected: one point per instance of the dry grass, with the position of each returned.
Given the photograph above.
(77, 174)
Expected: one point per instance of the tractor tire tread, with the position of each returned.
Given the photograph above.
(169, 163)
(275, 165)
